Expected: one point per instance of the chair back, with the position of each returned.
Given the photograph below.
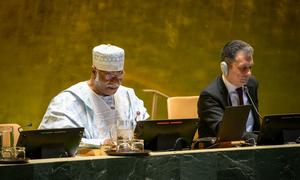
(16, 133)
(182, 107)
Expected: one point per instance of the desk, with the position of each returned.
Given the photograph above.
(265, 162)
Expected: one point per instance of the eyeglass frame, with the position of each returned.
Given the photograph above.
(109, 75)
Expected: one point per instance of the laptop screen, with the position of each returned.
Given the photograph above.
(160, 135)
(279, 129)
(50, 143)
(233, 123)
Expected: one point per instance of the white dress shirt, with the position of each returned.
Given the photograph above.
(235, 102)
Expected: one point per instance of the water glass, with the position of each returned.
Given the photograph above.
(12, 153)
(137, 145)
(123, 145)
(6, 153)
(125, 129)
(19, 152)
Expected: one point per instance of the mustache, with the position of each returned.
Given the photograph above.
(115, 85)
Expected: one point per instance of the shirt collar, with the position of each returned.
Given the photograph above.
(230, 87)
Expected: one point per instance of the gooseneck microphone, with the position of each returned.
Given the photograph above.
(255, 108)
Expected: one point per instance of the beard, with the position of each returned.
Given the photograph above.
(106, 88)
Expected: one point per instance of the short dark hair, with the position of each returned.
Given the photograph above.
(233, 47)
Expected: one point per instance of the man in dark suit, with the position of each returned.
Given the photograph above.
(236, 64)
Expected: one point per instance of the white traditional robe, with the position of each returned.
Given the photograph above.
(79, 106)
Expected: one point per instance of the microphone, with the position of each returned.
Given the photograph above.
(255, 108)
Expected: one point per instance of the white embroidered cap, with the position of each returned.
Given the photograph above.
(108, 57)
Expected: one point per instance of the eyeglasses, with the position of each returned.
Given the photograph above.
(243, 68)
(112, 74)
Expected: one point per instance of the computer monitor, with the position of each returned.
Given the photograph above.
(169, 134)
(279, 129)
(50, 143)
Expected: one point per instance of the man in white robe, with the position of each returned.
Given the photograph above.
(98, 103)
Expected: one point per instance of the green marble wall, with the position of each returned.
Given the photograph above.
(172, 46)
(253, 164)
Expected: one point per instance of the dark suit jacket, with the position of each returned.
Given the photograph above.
(212, 102)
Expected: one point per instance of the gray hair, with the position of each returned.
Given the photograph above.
(233, 47)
